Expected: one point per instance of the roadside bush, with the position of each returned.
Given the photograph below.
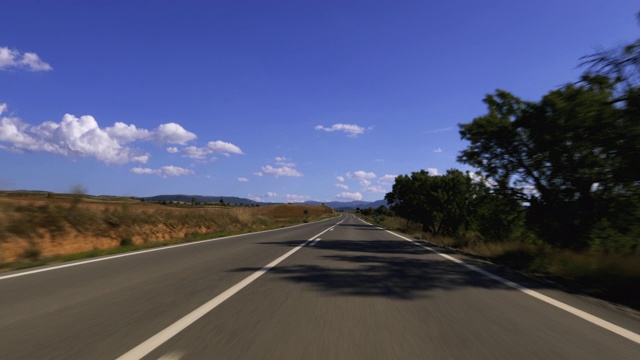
(31, 254)
(263, 221)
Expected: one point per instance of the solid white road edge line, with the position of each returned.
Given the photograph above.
(172, 330)
(568, 308)
(83, 262)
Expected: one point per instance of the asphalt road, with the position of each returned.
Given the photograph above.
(359, 292)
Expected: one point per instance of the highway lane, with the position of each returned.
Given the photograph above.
(358, 292)
(102, 309)
(362, 293)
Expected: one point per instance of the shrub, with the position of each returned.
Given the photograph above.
(31, 254)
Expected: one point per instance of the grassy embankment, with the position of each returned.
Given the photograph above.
(36, 229)
(610, 276)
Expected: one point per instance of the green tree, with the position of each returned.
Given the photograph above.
(403, 199)
(382, 210)
(576, 140)
(78, 192)
(366, 211)
(617, 227)
(443, 204)
(497, 217)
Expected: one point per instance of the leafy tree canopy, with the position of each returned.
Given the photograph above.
(442, 204)
(575, 148)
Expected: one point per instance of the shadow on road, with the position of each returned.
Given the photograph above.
(360, 226)
(365, 246)
(387, 268)
(400, 269)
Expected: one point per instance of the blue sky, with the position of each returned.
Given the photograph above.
(271, 100)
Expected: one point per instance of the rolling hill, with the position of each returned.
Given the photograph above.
(338, 205)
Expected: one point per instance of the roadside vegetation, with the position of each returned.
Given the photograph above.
(557, 187)
(595, 272)
(36, 228)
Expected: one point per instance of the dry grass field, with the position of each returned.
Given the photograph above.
(36, 227)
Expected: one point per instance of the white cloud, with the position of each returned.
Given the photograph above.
(223, 147)
(172, 133)
(340, 178)
(285, 168)
(193, 152)
(142, 171)
(175, 171)
(212, 147)
(15, 59)
(387, 179)
(362, 176)
(351, 129)
(124, 133)
(243, 179)
(342, 186)
(71, 137)
(172, 150)
(349, 196)
(437, 150)
(164, 171)
(258, 173)
(141, 158)
(365, 180)
(375, 189)
(281, 171)
(266, 197)
(32, 62)
(83, 137)
(432, 171)
(296, 198)
(283, 161)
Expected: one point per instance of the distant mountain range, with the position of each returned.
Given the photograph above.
(350, 205)
(338, 205)
(203, 199)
